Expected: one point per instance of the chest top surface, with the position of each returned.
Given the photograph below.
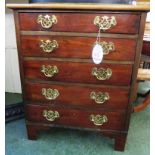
(132, 6)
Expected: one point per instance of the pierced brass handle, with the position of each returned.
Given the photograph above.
(104, 23)
(101, 73)
(99, 97)
(50, 94)
(49, 70)
(48, 45)
(108, 47)
(47, 21)
(51, 115)
(98, 119)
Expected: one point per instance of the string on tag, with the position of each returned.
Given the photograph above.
(98, 37)
(97, 52)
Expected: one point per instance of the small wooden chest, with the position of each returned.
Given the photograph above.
(62, 86)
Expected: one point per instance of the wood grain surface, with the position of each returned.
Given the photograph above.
(77, 47)
(78, 22)
(78, 95)
(75, 117)
(78, 72)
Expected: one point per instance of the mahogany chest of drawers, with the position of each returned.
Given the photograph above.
(61, 85)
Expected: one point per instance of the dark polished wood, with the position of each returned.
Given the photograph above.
(124, 48)
(136, 66)
(33, 130)
(79, 34)
(78, 72)
(68, 23)
(120, 141)
(71, 95)
(20, 58)
(75, 117)
(146, 48)
(75, 32)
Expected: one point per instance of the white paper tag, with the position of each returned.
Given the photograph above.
(97, 54)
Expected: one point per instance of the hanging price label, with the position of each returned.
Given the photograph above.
(97, 54)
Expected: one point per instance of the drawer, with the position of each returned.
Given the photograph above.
(75, 117)
(79, 95)
(77, 47)
(80, 22)
(80, 72)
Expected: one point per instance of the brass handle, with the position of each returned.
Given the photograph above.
(107, 47)
(51, 115)
(101, 73)
(104, 23)
(48, 45)
(98, 119)
(50, 94)
(99, 97)
(49, 70)
(47, 21)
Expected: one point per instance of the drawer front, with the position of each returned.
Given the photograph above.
(86, 96)
(79, 22)
(77, 47)
(78, 72)
(76, 118)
